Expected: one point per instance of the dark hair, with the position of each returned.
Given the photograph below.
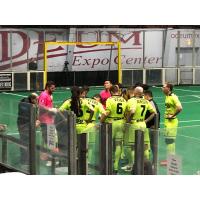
(114, 89)
(97, 96)
(33, 96)
(85, 88)
(170, 86)
(148, 92)
(49, 84)
(75, 100)
(119, 85)
(144, 86)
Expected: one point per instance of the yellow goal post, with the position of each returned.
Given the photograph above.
(117, 44)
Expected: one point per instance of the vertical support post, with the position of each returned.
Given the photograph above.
(105, 149)
(139, 153)
(119, 63)
(109, 149)
(72, 162)
(193, 57)
(32, 140)
(45, 64)
(178, 57)
(163, 75)
(155, 145)
(102, 149)
(82, 153)
(4, 149)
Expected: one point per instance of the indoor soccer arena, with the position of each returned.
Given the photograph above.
(100, 100)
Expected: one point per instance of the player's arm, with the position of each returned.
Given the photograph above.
(91, 110)
(152, 111)
(107, 112)
(104, 116)
(179, 108)
(43, 107)
(65, 106)
(131, 108)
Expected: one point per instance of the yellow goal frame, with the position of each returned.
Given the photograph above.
(46, 44)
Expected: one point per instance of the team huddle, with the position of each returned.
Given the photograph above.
(127, 109)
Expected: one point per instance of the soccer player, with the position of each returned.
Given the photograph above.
(137, 107)
(172, 108)
(115, 110)
(151, 125)
(92, 127)
(79, 106)
(105, 94)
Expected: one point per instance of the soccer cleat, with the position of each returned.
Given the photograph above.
(163, 163)
(127, 168)
(49, 163)
(115, 172)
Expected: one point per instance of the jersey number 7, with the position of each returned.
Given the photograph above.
(143, 109)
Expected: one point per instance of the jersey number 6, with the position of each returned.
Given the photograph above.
(119, 108)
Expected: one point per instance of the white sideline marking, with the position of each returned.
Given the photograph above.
(183, 102)
(179, 89)
(190, 137)
(196, 96)
(195, 120)
(191, 95)
(19, 95)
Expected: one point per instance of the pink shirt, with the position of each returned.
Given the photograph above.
(104, 96)
(45, 100)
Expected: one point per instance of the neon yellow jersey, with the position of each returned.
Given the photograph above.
(83, 111)
(171, 103)
(140, 106)
(97, 107)
(116, 105)
(130, 103)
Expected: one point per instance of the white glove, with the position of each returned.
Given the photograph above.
(53, 110)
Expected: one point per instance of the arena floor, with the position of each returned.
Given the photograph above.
(188, 139)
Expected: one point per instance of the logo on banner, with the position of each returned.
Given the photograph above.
(51, 136)
(174, 165)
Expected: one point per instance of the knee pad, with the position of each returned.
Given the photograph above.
(169, 141)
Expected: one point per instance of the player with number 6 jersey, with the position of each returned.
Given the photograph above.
(115, 110)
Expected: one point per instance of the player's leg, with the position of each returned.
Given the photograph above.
(129, 141)
(118, 135)
(170, 135)
(146, 144)
(91, 142)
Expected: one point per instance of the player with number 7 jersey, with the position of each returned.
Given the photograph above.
(137, 107)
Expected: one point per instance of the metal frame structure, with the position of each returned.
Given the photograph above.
(46, 44)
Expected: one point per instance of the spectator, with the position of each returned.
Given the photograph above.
(23, 123)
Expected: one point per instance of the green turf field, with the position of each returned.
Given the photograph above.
(188, 139)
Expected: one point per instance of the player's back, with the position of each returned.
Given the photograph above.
(98, 108)
(141, 107)
(116, 105)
